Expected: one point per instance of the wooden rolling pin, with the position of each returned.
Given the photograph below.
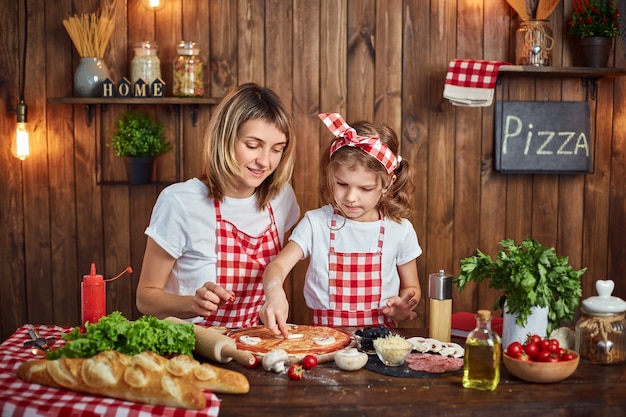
(218, 347)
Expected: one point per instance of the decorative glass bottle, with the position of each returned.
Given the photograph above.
(188, 71)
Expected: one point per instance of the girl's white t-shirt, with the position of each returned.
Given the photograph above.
(312, 234)
(183, 223)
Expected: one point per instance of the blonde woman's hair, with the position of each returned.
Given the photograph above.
(221, 170)
(395, 203)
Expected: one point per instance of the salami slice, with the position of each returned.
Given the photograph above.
(435, 364)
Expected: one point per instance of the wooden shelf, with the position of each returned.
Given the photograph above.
(588, 75)
(560, 72)
(90, 103)
(135, 100)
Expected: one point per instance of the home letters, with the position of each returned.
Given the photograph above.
(125, 89)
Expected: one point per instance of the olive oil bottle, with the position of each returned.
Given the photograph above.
(481, 368)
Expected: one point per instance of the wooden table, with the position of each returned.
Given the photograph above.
(593, 390)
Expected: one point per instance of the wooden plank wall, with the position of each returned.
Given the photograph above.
(382, 60)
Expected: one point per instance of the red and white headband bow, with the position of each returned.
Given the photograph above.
(347, 136)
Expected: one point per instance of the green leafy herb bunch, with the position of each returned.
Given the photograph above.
(529, 275)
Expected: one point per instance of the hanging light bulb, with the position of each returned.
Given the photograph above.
(21, 148)
(153, 5)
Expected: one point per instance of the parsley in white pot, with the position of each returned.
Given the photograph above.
(531, 277)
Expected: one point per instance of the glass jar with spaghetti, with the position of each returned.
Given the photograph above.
(188, 71)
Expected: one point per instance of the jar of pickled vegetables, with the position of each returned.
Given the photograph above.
(188, 71)
(146, 64)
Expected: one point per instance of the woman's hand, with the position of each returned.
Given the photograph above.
(401, 308)
(209, 298)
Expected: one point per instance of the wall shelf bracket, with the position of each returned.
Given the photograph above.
(590, 84)
(90, 112)
(194, 110)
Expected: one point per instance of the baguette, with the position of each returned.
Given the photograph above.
(208, 376)
(146, 378)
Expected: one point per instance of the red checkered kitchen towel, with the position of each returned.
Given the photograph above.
(23, 399)
(471, 82)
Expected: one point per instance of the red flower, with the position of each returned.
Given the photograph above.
(594, 18)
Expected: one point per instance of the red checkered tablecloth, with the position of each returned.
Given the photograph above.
(23, 399)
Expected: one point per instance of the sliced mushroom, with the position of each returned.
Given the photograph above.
(275, 360)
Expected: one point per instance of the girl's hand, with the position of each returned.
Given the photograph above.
(209, 298)
(274, 313)
(401, 308)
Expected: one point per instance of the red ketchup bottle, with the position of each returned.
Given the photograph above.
(93, 297)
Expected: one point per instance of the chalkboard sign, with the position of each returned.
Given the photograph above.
(543, 137)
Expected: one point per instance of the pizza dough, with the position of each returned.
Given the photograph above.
(303, 340)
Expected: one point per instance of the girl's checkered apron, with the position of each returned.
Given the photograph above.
(355, 286)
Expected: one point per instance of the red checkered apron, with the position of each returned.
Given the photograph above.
(355, 286)
(241, 260)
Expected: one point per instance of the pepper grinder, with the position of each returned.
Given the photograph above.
(440, 294)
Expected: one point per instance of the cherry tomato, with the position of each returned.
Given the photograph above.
(535, 338)
(295, 372)
(567, 356)
(309, 362)
(543, 356)
(531, 349)
(544, 345)
(515, 350)
(554, 346)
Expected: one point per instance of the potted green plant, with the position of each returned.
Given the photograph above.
(594, 23)
(139, 137)
(531, 277)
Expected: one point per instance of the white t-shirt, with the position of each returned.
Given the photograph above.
(183, 223)
(312, 234)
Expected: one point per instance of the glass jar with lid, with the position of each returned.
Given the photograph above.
(146, 64)
(188, 71)
(600, 331)
(533, 43)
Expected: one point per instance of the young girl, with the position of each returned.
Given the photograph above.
(362, 249)
(210, 238)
